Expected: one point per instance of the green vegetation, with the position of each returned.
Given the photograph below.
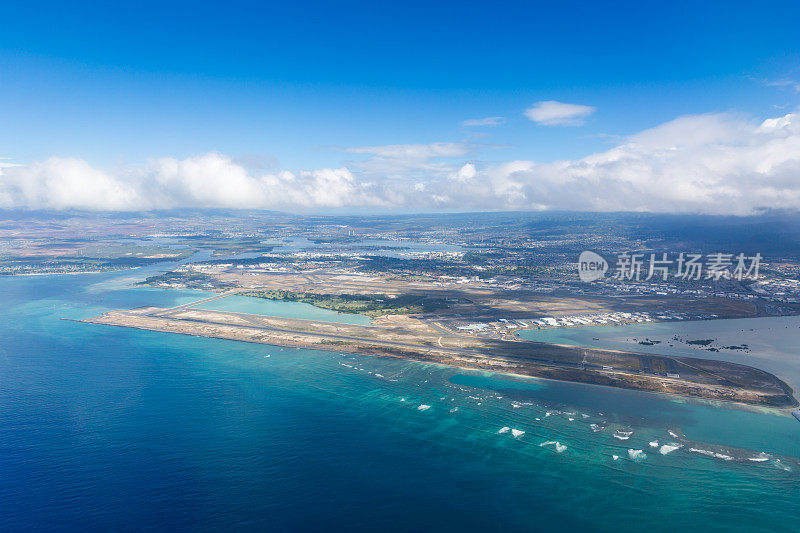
(701, 342)
(365, 304)
(188, 278)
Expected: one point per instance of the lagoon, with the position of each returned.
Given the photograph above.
(263, 306)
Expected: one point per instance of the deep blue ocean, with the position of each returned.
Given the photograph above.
(105, 428)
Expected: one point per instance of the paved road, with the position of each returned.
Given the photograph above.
(172, 310)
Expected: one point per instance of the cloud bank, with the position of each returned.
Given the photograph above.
(712, 163)
(210, 180)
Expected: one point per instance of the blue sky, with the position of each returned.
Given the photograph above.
(295, 86)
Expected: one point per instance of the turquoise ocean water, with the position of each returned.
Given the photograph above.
(109, 428)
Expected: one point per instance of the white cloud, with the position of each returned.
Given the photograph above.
(465, 174)
(552, 113)
(413, 151)
(792, 84)
(772, 124)
(210, 180)
(477, 122)
(61, 183)
(713, 163)
(408, 161)
(719, 164)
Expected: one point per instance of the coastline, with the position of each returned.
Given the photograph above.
(449, 357)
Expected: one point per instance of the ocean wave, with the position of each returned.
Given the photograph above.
(637, 455)
(654, 444)
(517, 433)
(597, 427)
(709, 453)
(622, 435)
(504, 429)
(669, 448)
(557, 446)
(782, 466)
(423, 407)
(760, 458)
